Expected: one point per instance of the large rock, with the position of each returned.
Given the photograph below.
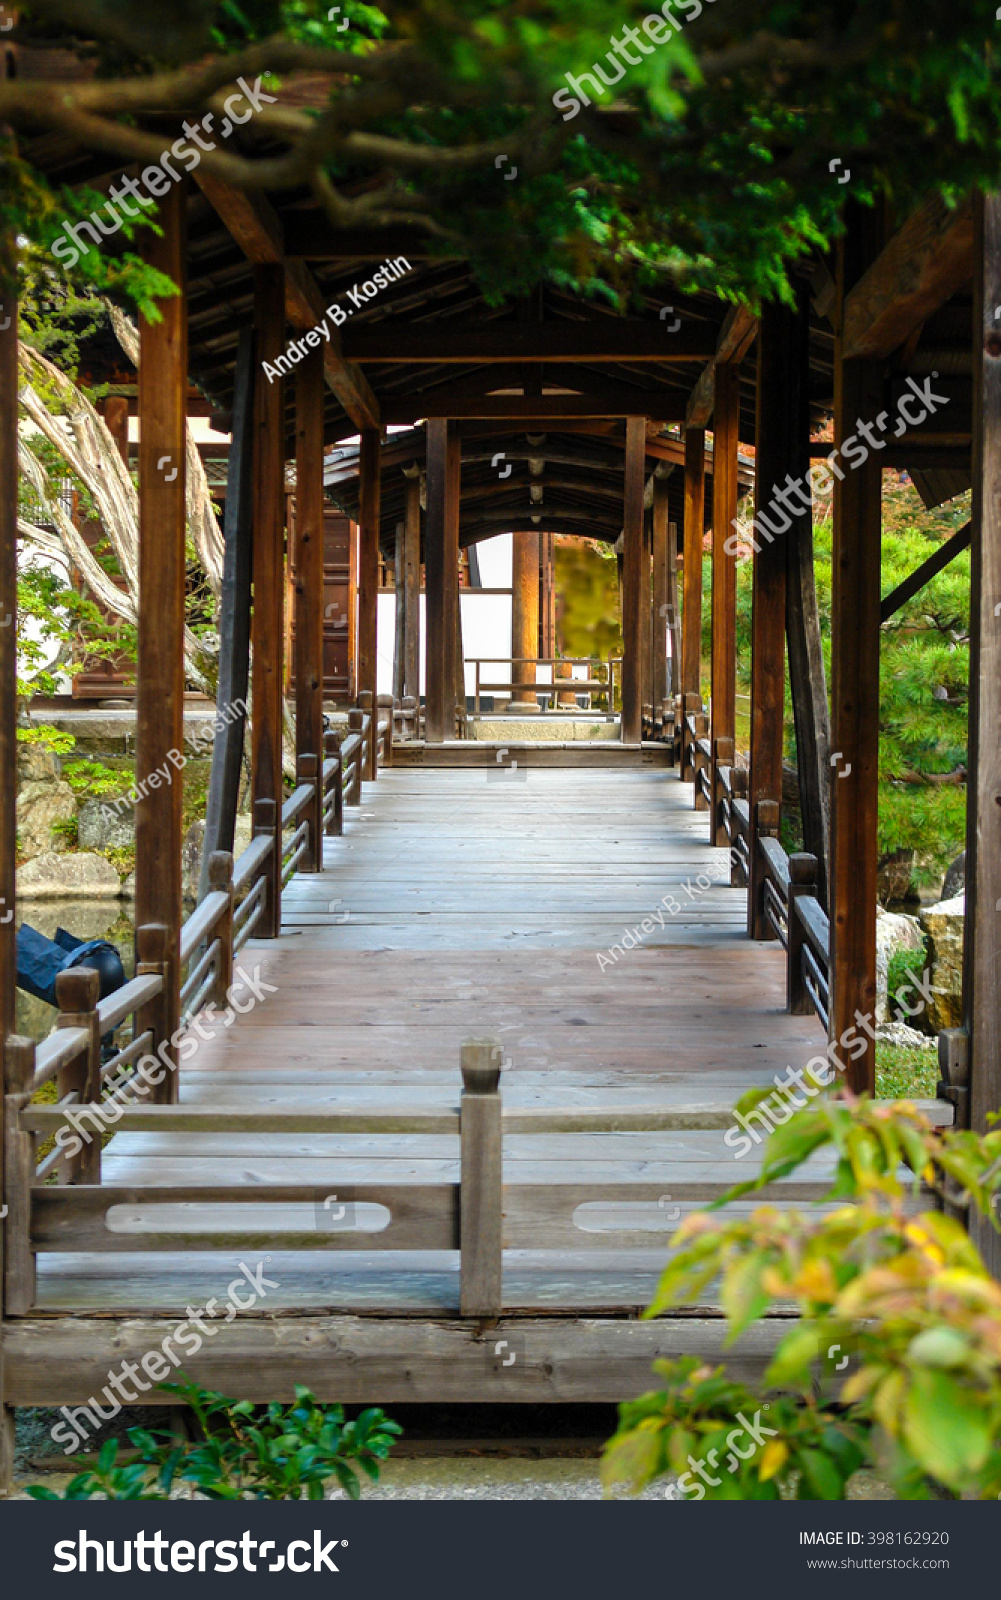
(955, 879)
(102, 825)
(40, 805)
(64, 877)
(191, 859)
(893, 933)
(36, 763)
(944, 924)
(894, 873)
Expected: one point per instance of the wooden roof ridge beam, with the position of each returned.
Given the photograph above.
(496, 340)
(256, 227)
(735, 336)
(922, 266)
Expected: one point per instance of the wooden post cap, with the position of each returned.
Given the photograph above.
(19, 1063)
(803, 868)
(306, 768)
(220, 869)
(265, 812)
(355, 717)
(78, 989)
(365, 699)
(332, 741)
(481, 1064)
(954, 1057)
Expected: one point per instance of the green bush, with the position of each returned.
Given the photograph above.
(286, 1453)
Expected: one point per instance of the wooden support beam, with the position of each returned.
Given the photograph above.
(855, 686)
(807, 675)
(661, 405)
(453, 511)
(412, 588)
(268, 629)
(635, 563)
(441, 559)
(694, 532)
(726, 419)
(673, 607)
(524, 619)
(915, 582)
(369, 514)
(775, 431)
(257, 228)
(735, 339)
(982, 948)
(163, 381)
(234, 618)
(662, 616)
(400, 611)
(115, 411)
(547, 595)
(922, 266)
(602, 339)
(308, 566)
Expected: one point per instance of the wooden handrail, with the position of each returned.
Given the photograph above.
(202, 922)
(55, 1052)
(252, 859)
(296, 802)
(112, 1012)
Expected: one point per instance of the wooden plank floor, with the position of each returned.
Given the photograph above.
(459, 903)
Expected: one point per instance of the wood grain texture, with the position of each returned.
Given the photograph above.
(163, 384)
(370, 491)
(309, 591)
(635, 562)
(441, 569)
(983, 825)
(726, 424)
(922, 266)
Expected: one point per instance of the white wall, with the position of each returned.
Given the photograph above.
(486, 620)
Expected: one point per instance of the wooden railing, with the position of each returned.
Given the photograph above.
(559, 691)
(730, 813)
(479, 1216)
(785, 903)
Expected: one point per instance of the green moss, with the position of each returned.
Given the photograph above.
(906, 1072)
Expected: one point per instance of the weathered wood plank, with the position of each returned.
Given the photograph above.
(922, 266)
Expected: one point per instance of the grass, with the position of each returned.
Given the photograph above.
(906, 1072)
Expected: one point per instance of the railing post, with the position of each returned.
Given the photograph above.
(802, 880)
(307, 770)
(701, 732)
(691, 706)
(723, 756)
(954, 1065)
(356, 720)
(411, 716)
(738, 791)
(78, 991)
(370, 761)
(151, 961)
(267, 820)
(19, 1175)
(334, 824)
(764, 825)
(481, 1199)
(221, 881)
(385, 703)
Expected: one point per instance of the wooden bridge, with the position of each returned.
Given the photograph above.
(421, 1243)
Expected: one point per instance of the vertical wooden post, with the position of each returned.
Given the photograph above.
(481, 1196)
(634, 613)
(807, 678)
(221, 881)
(366, 758)
(151, 961)
(695, 466)
(775, 432)
(77, 993)
(647, 623)
(234, 618)
(726, 424)
(115, 410)
(982, 950)
(309, 587)
(441, 576)
(400, 611)
(356, 718)
(547, 596)
(453, 511)
(673, 611)
(269, 567)
(412, 587)
(802, 881)
(662, 615)
(163, 386)
(524, 621)
(19, 1175)
(858, 394)
(332, 752)
(369, 514)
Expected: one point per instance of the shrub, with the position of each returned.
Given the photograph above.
(286, 1453)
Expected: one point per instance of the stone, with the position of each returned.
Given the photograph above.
(901, 1033)
(894, 873)
(955, 879)
(105, 825)
(944, 924)
(893, 932)
(36, 763)
(40, 805)
(65, 877)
